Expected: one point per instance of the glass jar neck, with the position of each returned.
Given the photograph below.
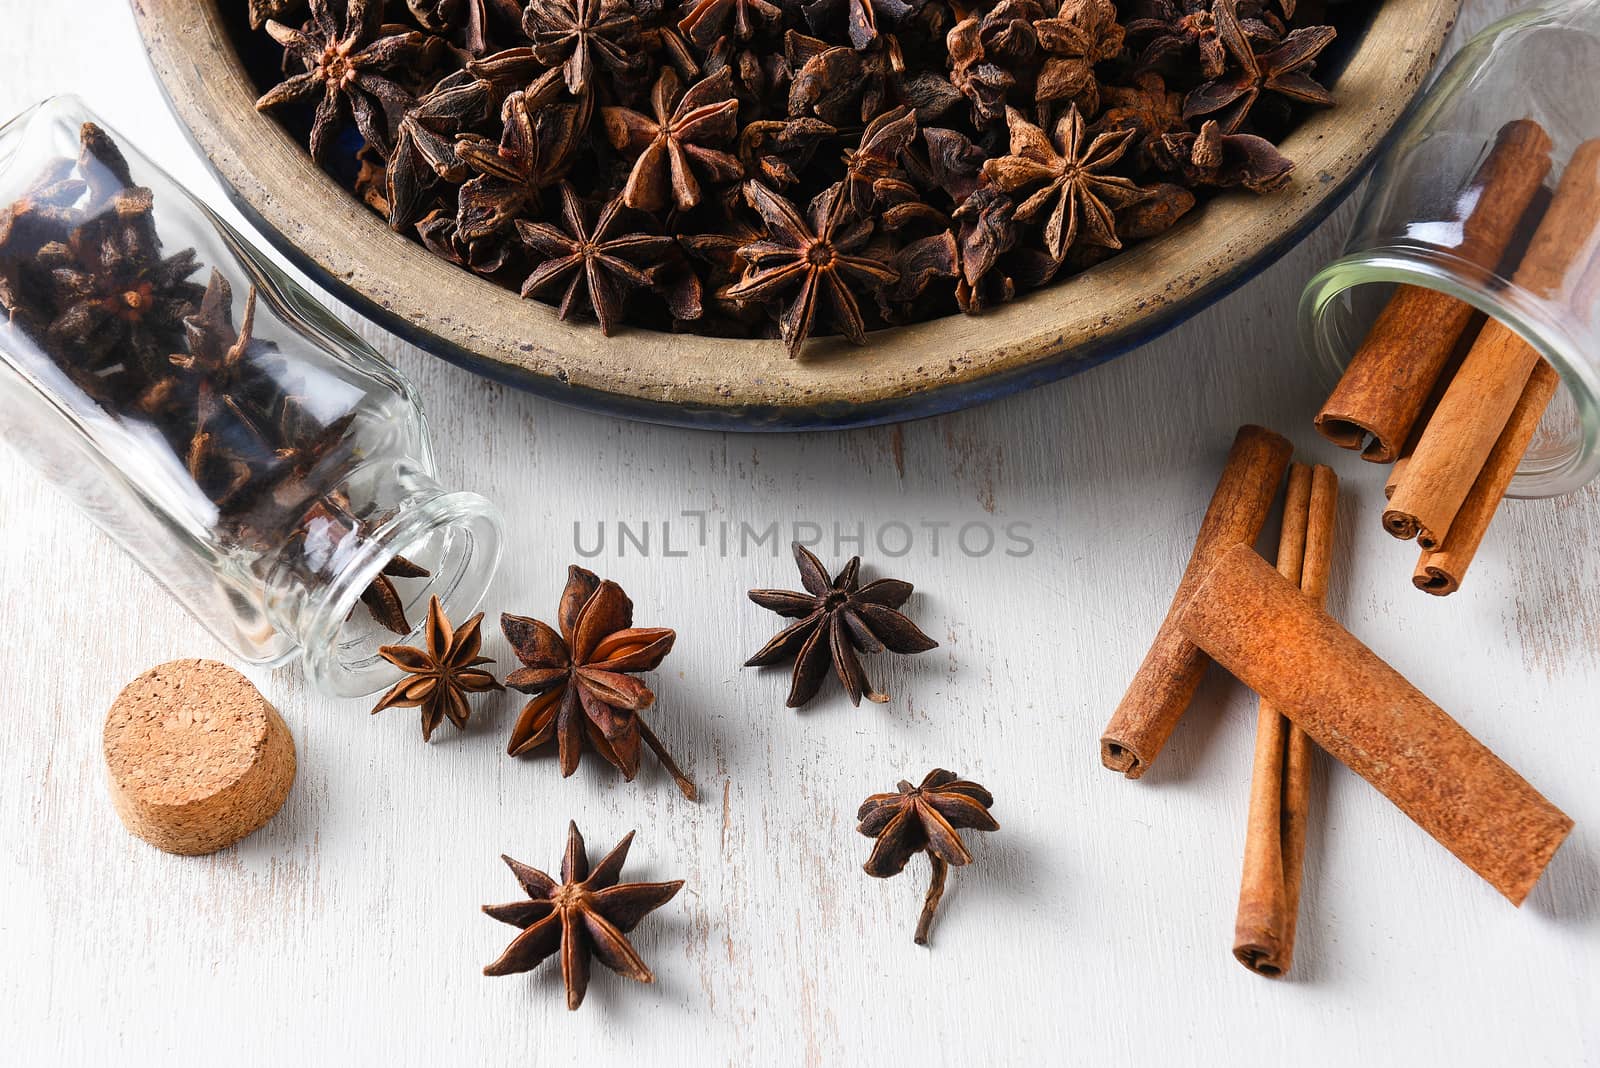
(393, 553)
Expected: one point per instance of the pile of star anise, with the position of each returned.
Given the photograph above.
(758, 167)
(85, 285)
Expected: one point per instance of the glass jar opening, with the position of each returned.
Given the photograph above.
(456, 537)
(1341, 302)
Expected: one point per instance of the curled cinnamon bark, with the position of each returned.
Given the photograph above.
(1280, 782)
(1383, 391)
(1275, 640)
(1476, 407)
(1171, 671)
(1441, 569)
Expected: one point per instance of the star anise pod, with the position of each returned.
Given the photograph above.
(876, 157)
(599, 262)
(1171, 32)
(464, 20)
(262, 10)
(777, 150)
(112, 293)
(582, 679)
(925, 818)
(46, 211)
(837, 621)
(535, 149)
(986, 231)
(688, 134)
(1078, 194)
(991, 53)
(438, 679)
(578, 34)
(704, 21)
(861, 18)
(1284, 70)
(383, 600)
(348, 61)
(1082, 34)
(440, 233)
(1224, 160)
(587, 914)
(816, 257)
(1146, 106)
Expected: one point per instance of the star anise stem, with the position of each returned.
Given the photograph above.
(685, 784)
(930, 903)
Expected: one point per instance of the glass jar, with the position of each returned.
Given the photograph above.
(1544, 65)
(250, 451)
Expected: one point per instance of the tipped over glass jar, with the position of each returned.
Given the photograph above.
(1490, 195)
(249, 451)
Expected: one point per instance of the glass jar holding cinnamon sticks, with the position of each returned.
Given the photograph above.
(1469, 290)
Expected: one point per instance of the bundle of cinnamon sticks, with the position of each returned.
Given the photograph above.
(1453, 399)
(1318, 684)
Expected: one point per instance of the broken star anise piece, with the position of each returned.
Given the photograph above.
(349, 64)
(439, 678)
(816, 257)
(925, 818)
(690, 133)
(1079, 196)
(587, 914)
(582, 679)
(383, 601)
(704, 22)
(1284, 70)
(599, 262)
(837, 621)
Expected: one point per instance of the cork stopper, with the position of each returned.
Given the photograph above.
(197, 758)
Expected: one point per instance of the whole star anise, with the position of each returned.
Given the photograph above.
(535, 149)
(577, 34)
(349, 64)
(600, 262)
(1284, 70)
(438, 679)
(818, 258)
(1079, 194)
(582, 679)
(925, 818)
(587, 914)
(687, 135)
(837, 620)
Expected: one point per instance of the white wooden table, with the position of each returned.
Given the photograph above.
(1095, 926)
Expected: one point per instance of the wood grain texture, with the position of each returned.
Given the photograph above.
(1094, 927)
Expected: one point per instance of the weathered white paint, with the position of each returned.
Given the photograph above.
(1094, 927)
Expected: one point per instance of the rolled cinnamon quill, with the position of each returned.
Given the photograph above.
(1265, 631)
(1441, 570)
(1463, 346)
(1383, 390)
(1171, 671)
(1280, 781)
(1475, 409)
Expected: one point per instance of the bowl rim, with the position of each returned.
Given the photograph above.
(904, 372)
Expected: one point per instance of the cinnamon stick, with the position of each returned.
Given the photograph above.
(1275, 640)
(1383, 390)
(1463, 345)
(1166, 681)
(1441, 570)
(1476, 407)
(1259, 929)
